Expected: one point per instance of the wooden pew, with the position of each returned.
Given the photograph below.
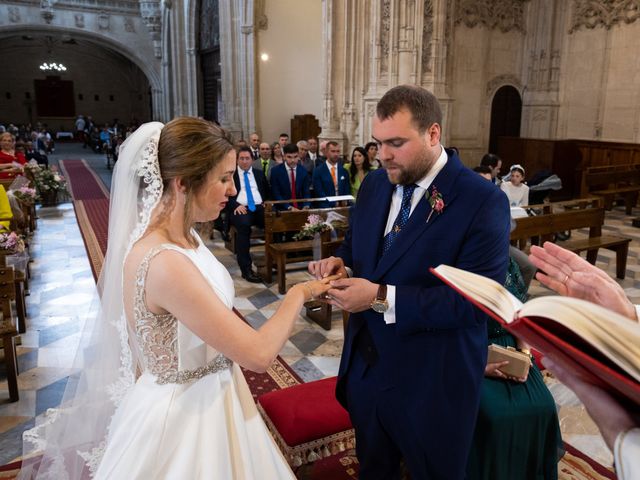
(292, 221)
(610, 182)
(588, 214)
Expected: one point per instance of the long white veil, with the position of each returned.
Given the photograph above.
(68, 442)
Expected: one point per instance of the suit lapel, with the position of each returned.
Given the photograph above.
(372, 225)
(417, 223)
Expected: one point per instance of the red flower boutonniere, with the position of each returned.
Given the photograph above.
(436, 201)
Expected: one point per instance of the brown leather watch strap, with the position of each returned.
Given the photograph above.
(382, 292)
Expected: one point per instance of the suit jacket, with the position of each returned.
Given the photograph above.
(257, 165)
(432, 359)
(307, 163)
(323, 183)
(281, 185)
(261, 182)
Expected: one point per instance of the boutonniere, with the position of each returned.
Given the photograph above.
(435, 200)
(342, 178)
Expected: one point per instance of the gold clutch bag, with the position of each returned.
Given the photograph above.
(519, 362)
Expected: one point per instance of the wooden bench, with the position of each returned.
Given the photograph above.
(282, 253)
(615, 181)
(589, 214)
(8, 330)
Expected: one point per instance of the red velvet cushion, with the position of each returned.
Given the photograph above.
(306, 412)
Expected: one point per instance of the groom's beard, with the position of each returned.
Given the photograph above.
(410, 174)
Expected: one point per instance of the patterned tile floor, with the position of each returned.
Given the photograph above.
(62, 292)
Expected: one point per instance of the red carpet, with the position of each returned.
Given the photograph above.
(84, 184)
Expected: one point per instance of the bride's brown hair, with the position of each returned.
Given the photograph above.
(189, 148)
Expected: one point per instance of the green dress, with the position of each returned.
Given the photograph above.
(355, 181)
(517, 435)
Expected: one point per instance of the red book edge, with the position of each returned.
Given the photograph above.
(536, 335)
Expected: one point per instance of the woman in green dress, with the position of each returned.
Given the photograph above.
(517, 434)
(358, 169)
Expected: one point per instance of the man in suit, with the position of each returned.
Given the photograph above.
(254, 144)
(246, 209)
(264, 162)
(303, 155)
(312, 142)
(331, 178)
(290, 180)
(415, 350)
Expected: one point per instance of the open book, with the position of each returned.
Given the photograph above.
(602, 345)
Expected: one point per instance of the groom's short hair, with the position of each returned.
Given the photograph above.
(422, 104)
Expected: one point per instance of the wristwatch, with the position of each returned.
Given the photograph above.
(380, 304)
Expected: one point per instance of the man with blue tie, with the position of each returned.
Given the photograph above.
(414, 350)
(331, 178)
(290, 180)
(245, 209)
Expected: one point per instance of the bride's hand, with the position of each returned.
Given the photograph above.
(315, 289)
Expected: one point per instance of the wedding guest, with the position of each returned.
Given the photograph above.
(372, 154)
(495, 163)
(162, 394)
(517, 434)
(10, 158)
(265, 161)
(276, 153)
(405, 324)
(290, 181)
(245, 209)
(330, 178)
(358, 168)
(517, 192)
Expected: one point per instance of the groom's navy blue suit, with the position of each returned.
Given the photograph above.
(412, 388)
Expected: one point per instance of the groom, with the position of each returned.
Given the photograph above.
(414, 350)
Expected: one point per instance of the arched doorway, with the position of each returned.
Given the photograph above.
(506, 114)
(99, 80)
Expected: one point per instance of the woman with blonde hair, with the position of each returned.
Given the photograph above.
(161, 394)
(10, 158)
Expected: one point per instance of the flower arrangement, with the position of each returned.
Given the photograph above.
(26, 195)
(50, 180)
(11, 242)
(315, 224)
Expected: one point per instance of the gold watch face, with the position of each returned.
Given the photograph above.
(380, 306)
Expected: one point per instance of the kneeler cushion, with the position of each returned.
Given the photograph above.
(307, 421)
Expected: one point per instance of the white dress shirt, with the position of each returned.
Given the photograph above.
(626, 453)
(396, 202)
(242, 193)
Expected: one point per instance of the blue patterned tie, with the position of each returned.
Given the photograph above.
(251, 203)
(401, 219)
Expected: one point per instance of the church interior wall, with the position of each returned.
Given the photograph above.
(290, 82)
(121, 88)
(480, 56)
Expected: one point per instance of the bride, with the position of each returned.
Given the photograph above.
(160, 393)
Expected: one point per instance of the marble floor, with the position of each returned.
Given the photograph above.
(62, 291)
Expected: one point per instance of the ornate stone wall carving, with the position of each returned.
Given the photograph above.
(603, 13)
(14, 14)
(261, 21)
(103, 22)
(152, 17)
(79, 20)
(496, 82)
(129, 25)
(505, 15)
(427, 34)
(385, 35)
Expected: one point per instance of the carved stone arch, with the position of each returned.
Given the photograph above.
(102, 41)
(500, 81)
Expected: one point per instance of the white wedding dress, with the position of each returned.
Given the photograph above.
(190, 414)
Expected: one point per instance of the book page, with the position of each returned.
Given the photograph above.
(615, 336)
(483, 290)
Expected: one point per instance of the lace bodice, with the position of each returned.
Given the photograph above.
(158, 335)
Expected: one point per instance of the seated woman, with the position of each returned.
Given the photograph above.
(517, 435)
(5, 211)
(517, 192)
(358, 168)
(372, 152)
(9, 157)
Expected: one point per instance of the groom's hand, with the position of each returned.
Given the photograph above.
(352, 294)
(327, 266)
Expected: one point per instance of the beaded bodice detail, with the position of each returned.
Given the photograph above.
(157, 335)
